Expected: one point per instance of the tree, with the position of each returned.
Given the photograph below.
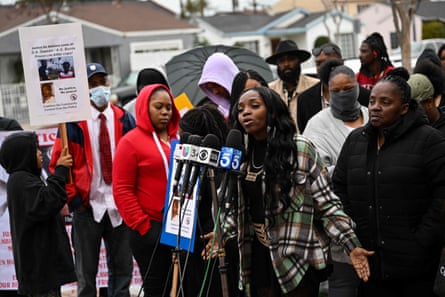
(403, 11)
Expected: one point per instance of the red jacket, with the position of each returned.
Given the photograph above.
(139, 170)
(80, 148)
(367, 80)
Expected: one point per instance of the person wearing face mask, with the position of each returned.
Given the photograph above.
(92, 144)
(317, 97)
(328, 130)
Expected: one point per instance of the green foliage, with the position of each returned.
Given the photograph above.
(192, 7)
(433, 29)
(321, 40)
(200, 42)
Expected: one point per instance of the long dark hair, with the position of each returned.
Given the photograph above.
(238, 86)
(278, 163)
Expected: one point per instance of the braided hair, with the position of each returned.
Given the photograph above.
(399, 77)
(203, 120)
(376, 43)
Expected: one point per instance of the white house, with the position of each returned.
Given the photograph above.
(261, 32)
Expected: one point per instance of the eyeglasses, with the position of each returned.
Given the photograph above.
(328, 50)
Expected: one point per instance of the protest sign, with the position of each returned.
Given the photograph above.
(55, 73)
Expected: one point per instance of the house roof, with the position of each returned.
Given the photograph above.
(432, 10)
(239, 22)
(293, 21)
(128, 16)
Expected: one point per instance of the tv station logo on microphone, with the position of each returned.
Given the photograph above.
(189, 152)
(208, 156)
(230, 158)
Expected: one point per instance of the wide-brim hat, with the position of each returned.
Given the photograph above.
(288, 47)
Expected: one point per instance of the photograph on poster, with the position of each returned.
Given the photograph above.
(47, 90)
(175, 210)
(56, 68)
(67, 70)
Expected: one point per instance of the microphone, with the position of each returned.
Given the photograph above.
(208, 156)
(230, 160)
(178, 156)
(190, 154)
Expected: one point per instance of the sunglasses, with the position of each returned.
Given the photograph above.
(328, 50)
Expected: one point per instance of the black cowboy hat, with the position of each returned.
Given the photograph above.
(288, 47)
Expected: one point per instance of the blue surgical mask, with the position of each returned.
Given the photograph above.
(100, 95)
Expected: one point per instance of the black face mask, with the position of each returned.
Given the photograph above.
(291, 77)
(344, 105)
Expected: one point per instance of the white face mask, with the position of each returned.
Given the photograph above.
(100, 95)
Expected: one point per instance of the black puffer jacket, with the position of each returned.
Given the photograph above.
(395, 195)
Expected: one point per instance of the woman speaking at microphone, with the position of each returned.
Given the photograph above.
(140, 175)
(286, 210)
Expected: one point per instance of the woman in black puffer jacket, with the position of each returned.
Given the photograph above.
(390, 177)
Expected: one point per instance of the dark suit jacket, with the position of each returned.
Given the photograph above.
(309, 103)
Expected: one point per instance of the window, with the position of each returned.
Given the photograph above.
(346, 43)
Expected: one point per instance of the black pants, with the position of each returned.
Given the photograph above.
(147, 248)
(397, 288)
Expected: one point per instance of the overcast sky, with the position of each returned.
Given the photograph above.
(217, 5)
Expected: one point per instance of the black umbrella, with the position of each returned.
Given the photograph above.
(184, 70)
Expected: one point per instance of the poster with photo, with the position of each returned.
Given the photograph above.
(180, 217)
(55, 73)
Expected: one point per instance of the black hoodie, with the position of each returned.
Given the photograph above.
(42, 254)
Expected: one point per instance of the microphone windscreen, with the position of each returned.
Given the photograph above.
(194, 140)
(234, 139)
(211, 141)
(184, 137)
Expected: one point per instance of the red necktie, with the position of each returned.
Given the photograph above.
(105, 149)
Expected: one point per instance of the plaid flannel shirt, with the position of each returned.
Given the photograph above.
(300, 235)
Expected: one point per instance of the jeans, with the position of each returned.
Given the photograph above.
(147, 248)
(86, 236)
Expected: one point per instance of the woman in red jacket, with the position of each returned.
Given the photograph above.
(140, 173)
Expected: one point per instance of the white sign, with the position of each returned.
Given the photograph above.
(55, 73)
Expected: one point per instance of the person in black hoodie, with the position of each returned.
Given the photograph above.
(42, 254)
(390, 176)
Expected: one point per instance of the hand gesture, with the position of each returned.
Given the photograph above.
(210, 251)
(65, 158)
(359, 258)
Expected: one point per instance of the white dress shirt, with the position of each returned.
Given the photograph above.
(101, 194)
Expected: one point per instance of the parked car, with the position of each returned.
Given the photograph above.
(125, 90)
(417, 48)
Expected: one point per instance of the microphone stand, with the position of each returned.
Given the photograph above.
(177, 251)
(221, 252)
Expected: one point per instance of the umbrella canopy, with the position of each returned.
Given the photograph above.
(184, 71)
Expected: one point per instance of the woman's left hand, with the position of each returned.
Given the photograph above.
(359, 258)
